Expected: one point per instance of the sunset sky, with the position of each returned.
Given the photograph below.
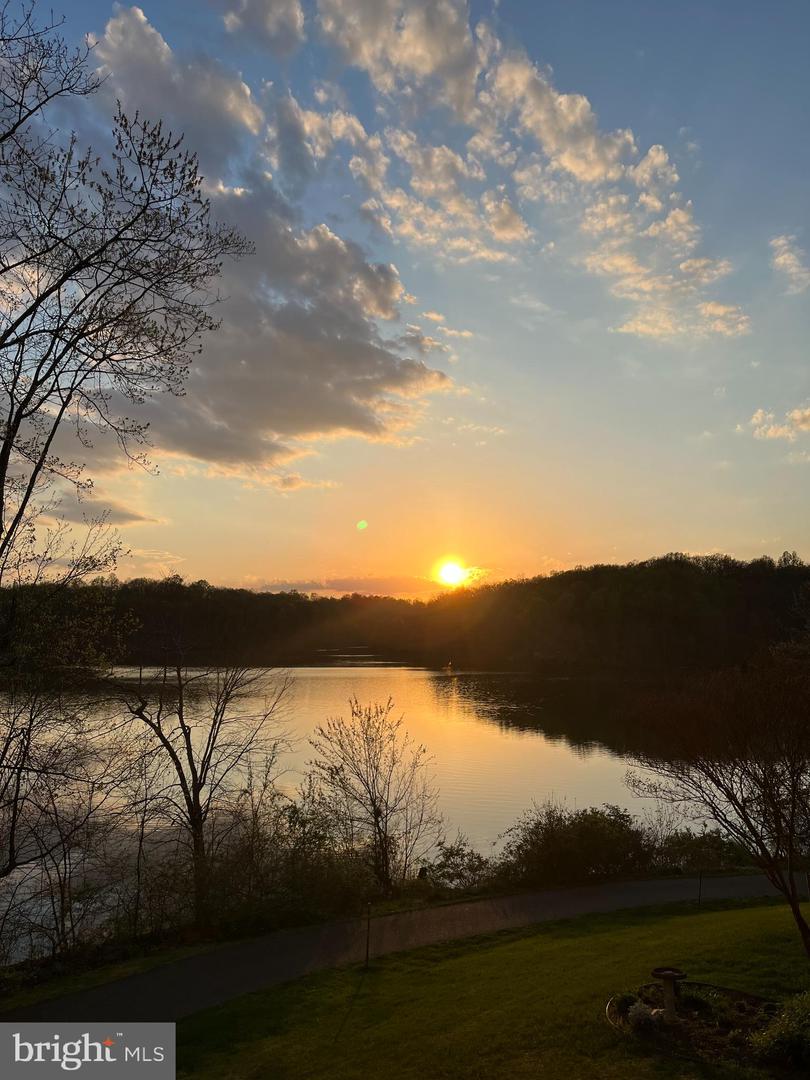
(530, 286)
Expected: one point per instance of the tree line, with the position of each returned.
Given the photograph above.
(670, 614)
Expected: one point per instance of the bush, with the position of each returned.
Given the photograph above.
(457, 866)
(688, 851)
(640, 1018)
(623, 1003)
(552, 845)
(786, 1039)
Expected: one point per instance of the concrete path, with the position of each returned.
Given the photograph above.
(186, 986)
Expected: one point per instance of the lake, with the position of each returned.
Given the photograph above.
(499, 741)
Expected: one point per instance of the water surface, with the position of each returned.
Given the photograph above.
(498, 741)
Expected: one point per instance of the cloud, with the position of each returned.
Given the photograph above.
(788, 259)
(212, 106)
(415, 338)
(94, 506)
(301, 354)
(655, 169)
(416, 45)
(678, 228)
(728, 320)
(531, 303)
(667, 319)
(390, 585)
(149, 562)
(503, 221)
(437, 172)
(441, 215)
(312, 344)
(420, 55)
(764, 424)
(278, 24)
(296, 482)
(654, 322)
(609, 214)
(299, 140)
(489, 144)
(632, 279)
(563, 124)
(704, 271)
(433, 316)
(536, 183)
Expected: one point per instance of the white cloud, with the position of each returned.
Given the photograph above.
(704, 271)
(609, 215)
(669, 319)
(796, 421)
(728, 320)
(422, 54)
(765, 426)
(650, 203)
(437, 172)
(564, 125)
(466, 334)
(503, 221)
(789, 259)
(421, 44)
(489, 144)
(212, 106)
(536, 183)
(654, 169)
(678, 228)
(435, 211)
(279, 24)
(301, 355)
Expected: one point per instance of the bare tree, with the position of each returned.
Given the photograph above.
(740, 756)
(375, 779)
(49, 757)
(106, 268)
(209, 729)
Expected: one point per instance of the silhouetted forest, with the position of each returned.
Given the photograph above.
(667, 614)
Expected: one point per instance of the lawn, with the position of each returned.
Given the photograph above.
(520, 1004)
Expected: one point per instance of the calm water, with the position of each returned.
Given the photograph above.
(489, 736)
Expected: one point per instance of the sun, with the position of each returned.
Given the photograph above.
(452, 574)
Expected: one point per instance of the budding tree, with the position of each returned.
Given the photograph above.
(205, 731)
(107, 263)
(740, 757)
(375, 780)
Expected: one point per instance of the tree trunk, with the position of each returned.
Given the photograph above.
(801, 923)
(202, 912)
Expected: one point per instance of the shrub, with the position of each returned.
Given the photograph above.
(786, 1039)
(552, 845)
(640, 1018)
(688, 851)
(458, 866)
(623, 1003)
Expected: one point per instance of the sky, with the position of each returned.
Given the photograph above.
(530, 286)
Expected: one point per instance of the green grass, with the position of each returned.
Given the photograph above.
(519, 1004)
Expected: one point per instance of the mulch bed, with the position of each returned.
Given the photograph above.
(714, 1023)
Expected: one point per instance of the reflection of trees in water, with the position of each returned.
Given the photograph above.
(585, 715)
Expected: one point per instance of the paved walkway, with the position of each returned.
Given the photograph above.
(177, 989)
